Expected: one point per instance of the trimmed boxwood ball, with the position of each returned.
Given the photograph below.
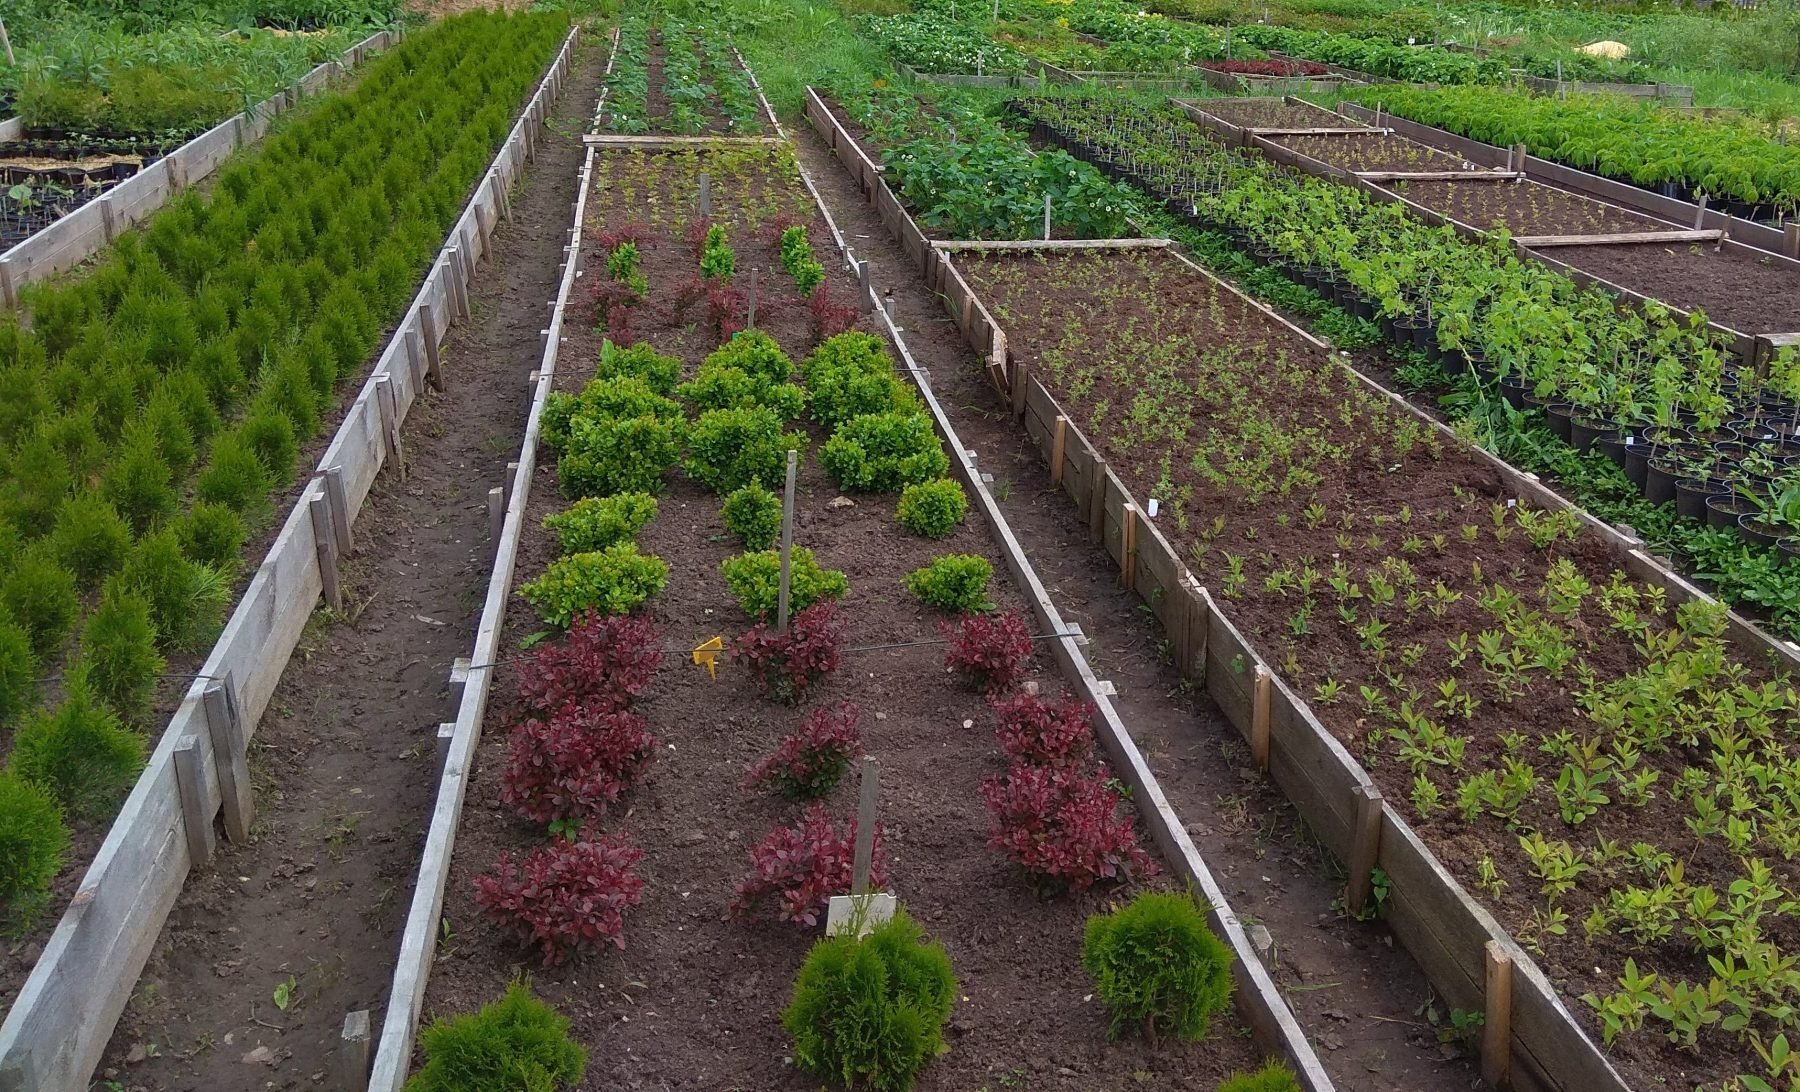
(954, 583)
(870, 1012)
(595, 523)
(33, 842)
(753, 514)
(1157, 967)
(884, 453)
(932, 509)
(615, 580)
(517, 1042)
(754, 352)
(730, 448)
(1273, 1077)
(80, 752)
(639, 361)
(755, 581)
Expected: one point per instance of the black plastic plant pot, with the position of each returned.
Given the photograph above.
(1790, 549)
(1659, 483)
(1637, 460)
(1362, 309)
(1561, 419)
(1583, 431)
(1386, 323)
(1723, 510)
(1611, 445)
(1753, 530)
(1513, 391)
(1691, 494)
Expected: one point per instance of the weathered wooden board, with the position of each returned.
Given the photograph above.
(59, 1025)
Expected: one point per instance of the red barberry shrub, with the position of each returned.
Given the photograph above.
(829, 317)
(786, 666)
(727, 309)
(696, 234)
(567, 896)
(601, 664)
(1063, 826)
(1043, 733)
(771, 230)
(608, 241)
(809, 763)
(619, 325)
(805, 865)
(989, 651)
(574, 764)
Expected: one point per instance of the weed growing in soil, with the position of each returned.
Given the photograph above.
(1274, 1077)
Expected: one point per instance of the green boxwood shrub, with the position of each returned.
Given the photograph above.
(517, 1042)
(1273, 1077)
(213, 534)
(33, 842)
(850, 375)
(91, 539)
(80, 752)
(660, 373)
(620, 397)
(187, 600)
(932, 509)
(607, 455)
(41, 597)
(956, 583)
(870, 1012)
(884, 453)
(18, 672)
(755, 581)
(730, 448)
(754, 352)
(753, 514)
(118, 648)
(612, 581)
(731, 388)
(594, 523)
(1157, 967)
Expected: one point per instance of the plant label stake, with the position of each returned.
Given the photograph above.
(707, 653)
(787, 543)
(705, 195)
(1046, 217)
(861, 911)
(751, 321)
(12, 60)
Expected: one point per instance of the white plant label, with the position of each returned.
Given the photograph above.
(861, 913)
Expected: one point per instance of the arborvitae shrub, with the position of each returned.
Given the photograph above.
(187, 600)
(606, 455)
(932, 509)
(956, 583)
(594, 523)
(884, 453)
(288, 389)
(235, 475)
(755, 581)
(186, 391)
(118, 647)
(515, 1042)
(753, 514)
(40, 483)
(730, 448)
(271, 435)
(139, 485)
(33, 842)
(80, 752)
(212, 534)
(1157, 967)
(41, 597)
(1273, 1077)
(91, 539)
(870, 1012)
(165, 421)
(611, 581)
(18, 672)
(639, 361)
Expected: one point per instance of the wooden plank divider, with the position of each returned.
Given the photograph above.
(1365, 847)
(196, 814)
(1128, 547)
(1437, 176)
(230, 752)
(1619, 237)
(325, 549)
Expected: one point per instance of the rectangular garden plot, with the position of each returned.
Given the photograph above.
(671, 78)
(1546, 730)
(693, 1000)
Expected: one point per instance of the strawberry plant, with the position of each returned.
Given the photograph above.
(809, 763)
(786, 666)
(988, 651)
(1063, 826)
(565, 897)
(803, 866)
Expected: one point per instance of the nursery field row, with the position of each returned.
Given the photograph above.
(678, 79)
(1357, 661)
(132, 494)
(716, 344)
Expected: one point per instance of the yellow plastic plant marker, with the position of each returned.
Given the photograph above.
(707, 652)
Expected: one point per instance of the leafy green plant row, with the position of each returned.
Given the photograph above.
(1378, 58)
(153, 405)
(699, 78)
(930, 43)
(1633, 142)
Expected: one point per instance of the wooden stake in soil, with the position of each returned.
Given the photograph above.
(1046, 217)
(1790, 241)
(340, 507)
(867, 806)
(1128, 519)
(1097, 502)
(787, 542)
(1059, 438)
(705, 195)
(751, 321)
(352, 1058)
(1365, 844)
(1259, 718)
(7, 44)
(496, 505)
(325, 547)
(1700, 213)
(1496, 1024)
(190, 783)
(428, 332)
(1021, 378)
(225, 724)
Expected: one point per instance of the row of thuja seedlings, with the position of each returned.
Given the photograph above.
(1685, 421)
(865, 1011)
(155, 404)
(1600, 765)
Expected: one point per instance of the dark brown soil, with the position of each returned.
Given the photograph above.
(656, 98)
(1271, 112)
(1524, 208)
(693, 1001)
(343, 759)
(1374, 152)
(1737, 290)
(1370, 509)
(1355, 994)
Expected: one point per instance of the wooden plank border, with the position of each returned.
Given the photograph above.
(73, 239)
(58, 1027)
